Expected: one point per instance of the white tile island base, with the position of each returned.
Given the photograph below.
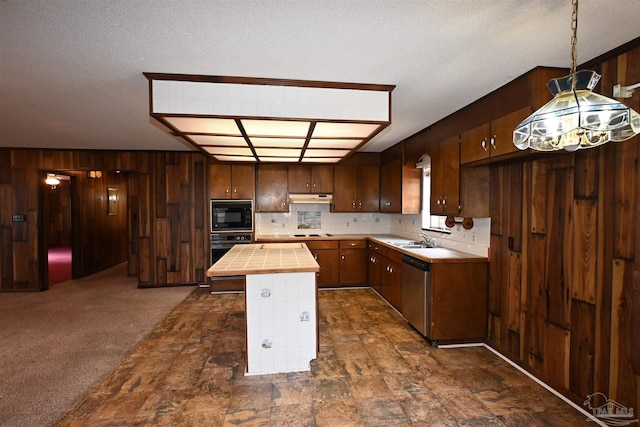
(281, 322)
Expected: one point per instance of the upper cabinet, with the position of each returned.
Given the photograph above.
(491, 139)
(399, 182)
(356, 185)
(445, 177)
(231, 181)
(356, 189)
(272, 193)
(317, 179)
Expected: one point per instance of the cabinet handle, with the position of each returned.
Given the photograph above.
(438, 202)
(493, 141)
(359, 204)
(391, 269)
(314, 185)
(444, 201)
(484, 144)
(235, 189)
(341, 256)
(227, 190)
(353, 204)
(307, 185)
(315, 256)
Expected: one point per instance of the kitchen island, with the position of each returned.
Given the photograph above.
(280, 304)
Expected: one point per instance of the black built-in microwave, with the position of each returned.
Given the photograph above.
(231, 215)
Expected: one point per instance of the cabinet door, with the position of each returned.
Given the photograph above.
(395, 284)
(299, 178)
(445, 177)
(272, 194)
(502, 132)
(322, 179)
(353, 267)
(243, 181)
(328, 259)
(345, 189)
(475, 143)
(450, 155)
(219, 181)
(368, 189)
(373, 270)
(391, 181)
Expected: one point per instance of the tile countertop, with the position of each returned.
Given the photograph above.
(432, 255)
(264, 258)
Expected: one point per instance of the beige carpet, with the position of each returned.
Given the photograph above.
(57, 345)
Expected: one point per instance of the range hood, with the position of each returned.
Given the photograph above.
(310, 198)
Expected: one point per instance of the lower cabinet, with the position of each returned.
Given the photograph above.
(384, 273)
(391, 278)
(327, 256)
(353, 262)
(457, 302)
(342, 262)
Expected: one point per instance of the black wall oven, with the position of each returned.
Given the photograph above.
(231, 216)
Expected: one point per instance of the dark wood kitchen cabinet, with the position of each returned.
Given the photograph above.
(399, 182)
(327, 256)
(491, 139)
(272, 190)
(457, 302)
(373, 266)
(391, 278)
(230, 181)
(356, 189)
(353, 262)
(445, 177)
(316, 179)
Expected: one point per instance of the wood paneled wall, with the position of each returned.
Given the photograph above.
(564, 291)
(160, 227)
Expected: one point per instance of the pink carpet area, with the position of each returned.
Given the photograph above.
(59, 264)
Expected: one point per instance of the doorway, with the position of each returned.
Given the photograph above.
(58, 225)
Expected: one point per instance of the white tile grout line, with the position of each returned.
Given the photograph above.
(589, 416)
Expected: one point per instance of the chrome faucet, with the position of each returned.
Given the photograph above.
(426, 240)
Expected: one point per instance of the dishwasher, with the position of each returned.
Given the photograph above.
(416, 284)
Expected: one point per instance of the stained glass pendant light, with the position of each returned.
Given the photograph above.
(576, 117)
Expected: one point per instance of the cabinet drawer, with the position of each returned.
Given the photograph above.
(322, 244)
(353, 244)
(394, 255)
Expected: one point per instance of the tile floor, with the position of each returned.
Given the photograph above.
(372, 370)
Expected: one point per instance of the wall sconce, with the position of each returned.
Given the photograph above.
(620, 91)
(94, 174)
(52, 180)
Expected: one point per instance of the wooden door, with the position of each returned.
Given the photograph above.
(272, 194)
(368, 189)
(391, 180)
(299, 177)
(345, 189)
(219, 181)
(328, 259)
(353, 267)
(450, 155)
(475, 144)
(243, 181)
(395, 284)
(502, 132)
(373, 270)
(322, 179)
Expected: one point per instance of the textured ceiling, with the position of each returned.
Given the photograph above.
(71, 70)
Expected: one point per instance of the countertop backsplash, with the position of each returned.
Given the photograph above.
(318, 219)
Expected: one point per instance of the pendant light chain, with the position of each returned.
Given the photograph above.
(574, 42)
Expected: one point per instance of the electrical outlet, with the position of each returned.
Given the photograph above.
(473, 237)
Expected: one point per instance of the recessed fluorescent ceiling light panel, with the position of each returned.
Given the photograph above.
(269, 120)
